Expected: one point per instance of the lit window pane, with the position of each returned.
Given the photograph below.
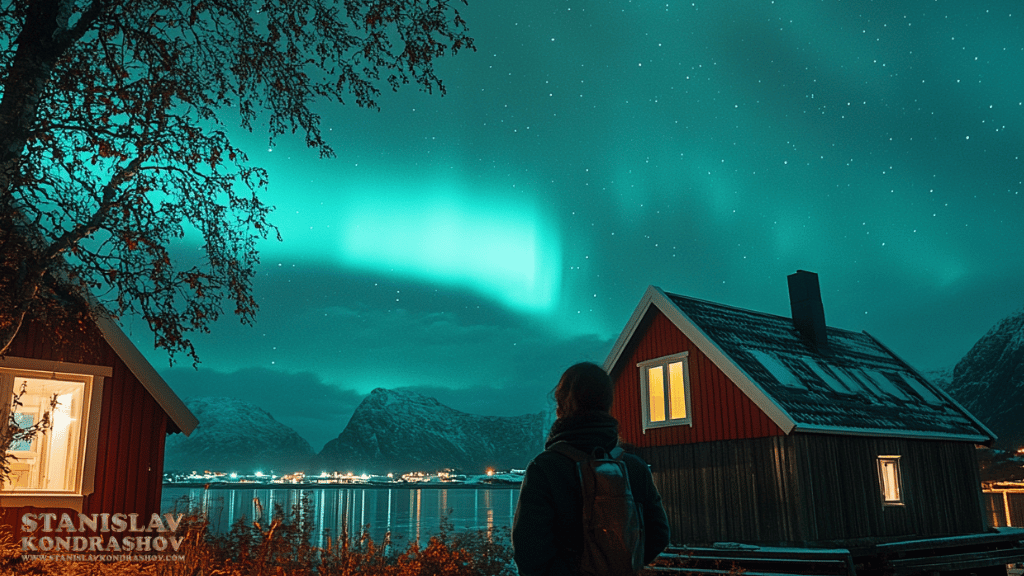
(50, 461)
(890, 471)
(656, 393)
(676, 391)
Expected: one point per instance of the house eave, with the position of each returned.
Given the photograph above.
(180, 415)
(889, 433)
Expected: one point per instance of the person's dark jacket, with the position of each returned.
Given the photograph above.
(547, 532)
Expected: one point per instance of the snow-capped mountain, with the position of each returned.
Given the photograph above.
(989, 381)
(942, 377)
(235, 436)
(401, 431)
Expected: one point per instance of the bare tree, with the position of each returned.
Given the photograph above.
(13, 433)
(113, 144)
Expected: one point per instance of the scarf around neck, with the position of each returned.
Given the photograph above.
(585, 431)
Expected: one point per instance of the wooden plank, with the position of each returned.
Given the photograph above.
(702, 570)
(144, 482)
(102, 499)
(958, 562)
(738, 558)
(987, 538)
(133, 427)
(765, 561)
(740, 550)
(158, 465)
(990, 556)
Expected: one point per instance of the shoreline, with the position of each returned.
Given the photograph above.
(313, 486)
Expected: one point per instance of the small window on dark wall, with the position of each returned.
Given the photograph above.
(890, 480)
(665, 391)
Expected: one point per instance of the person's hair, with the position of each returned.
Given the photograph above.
(584, 387)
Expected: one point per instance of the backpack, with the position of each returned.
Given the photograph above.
(613, 526)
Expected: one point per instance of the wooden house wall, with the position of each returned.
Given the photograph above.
(130, 452)
(804, 489)
(941, 487)
(732, 490)
(720, 410)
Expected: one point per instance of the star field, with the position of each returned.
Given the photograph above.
(475, 245)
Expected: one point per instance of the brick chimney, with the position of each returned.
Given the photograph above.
(808, 312)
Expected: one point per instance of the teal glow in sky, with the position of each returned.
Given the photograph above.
(475, 245)
(500, 247)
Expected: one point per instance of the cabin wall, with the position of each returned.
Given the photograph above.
(811, 488)
(733, 490)
(941, 487)
(721, 411)
(130, 452)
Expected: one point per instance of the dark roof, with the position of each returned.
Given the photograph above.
(857, 386)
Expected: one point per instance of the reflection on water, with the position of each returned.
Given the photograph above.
(405, 512)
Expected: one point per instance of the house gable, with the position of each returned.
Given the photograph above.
(128, 422)
(715, 399)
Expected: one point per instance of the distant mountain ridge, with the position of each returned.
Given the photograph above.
(236, 436)
(401, 431)
(989, 381)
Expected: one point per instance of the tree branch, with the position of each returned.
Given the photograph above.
(87, 228)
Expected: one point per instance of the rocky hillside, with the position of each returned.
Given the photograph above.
(235, 436)
(396, 431)
(989, 381)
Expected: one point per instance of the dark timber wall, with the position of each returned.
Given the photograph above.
(811, 488)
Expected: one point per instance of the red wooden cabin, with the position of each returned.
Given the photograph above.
(777, 431)
(105, 451)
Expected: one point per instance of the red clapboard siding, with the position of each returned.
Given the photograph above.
(129, 457)
(721, 411)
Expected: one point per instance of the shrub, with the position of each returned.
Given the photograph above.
(281, 545)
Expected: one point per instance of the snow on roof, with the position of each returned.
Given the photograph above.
(858, 386)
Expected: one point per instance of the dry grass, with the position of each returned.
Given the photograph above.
(281, 546)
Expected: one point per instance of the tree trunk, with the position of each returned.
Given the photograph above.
(39, 47)
(44, 37)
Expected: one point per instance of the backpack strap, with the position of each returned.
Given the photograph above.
(568, 450)
(578, 455)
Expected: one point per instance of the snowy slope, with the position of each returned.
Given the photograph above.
(235, 436)
(400, 431)
(989, 381)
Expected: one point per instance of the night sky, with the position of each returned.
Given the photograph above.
(472, 247)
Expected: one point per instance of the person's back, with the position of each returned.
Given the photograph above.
(547, 534)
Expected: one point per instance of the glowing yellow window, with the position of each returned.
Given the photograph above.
(55, 467)
(889, 480)
(665, 391)
(656, 393)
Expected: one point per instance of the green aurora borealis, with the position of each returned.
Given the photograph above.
(475, 245)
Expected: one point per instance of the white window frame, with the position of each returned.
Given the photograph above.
(664, 361)
(83, 481)
(883, 481)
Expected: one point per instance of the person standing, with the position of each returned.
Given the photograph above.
(547, 531)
